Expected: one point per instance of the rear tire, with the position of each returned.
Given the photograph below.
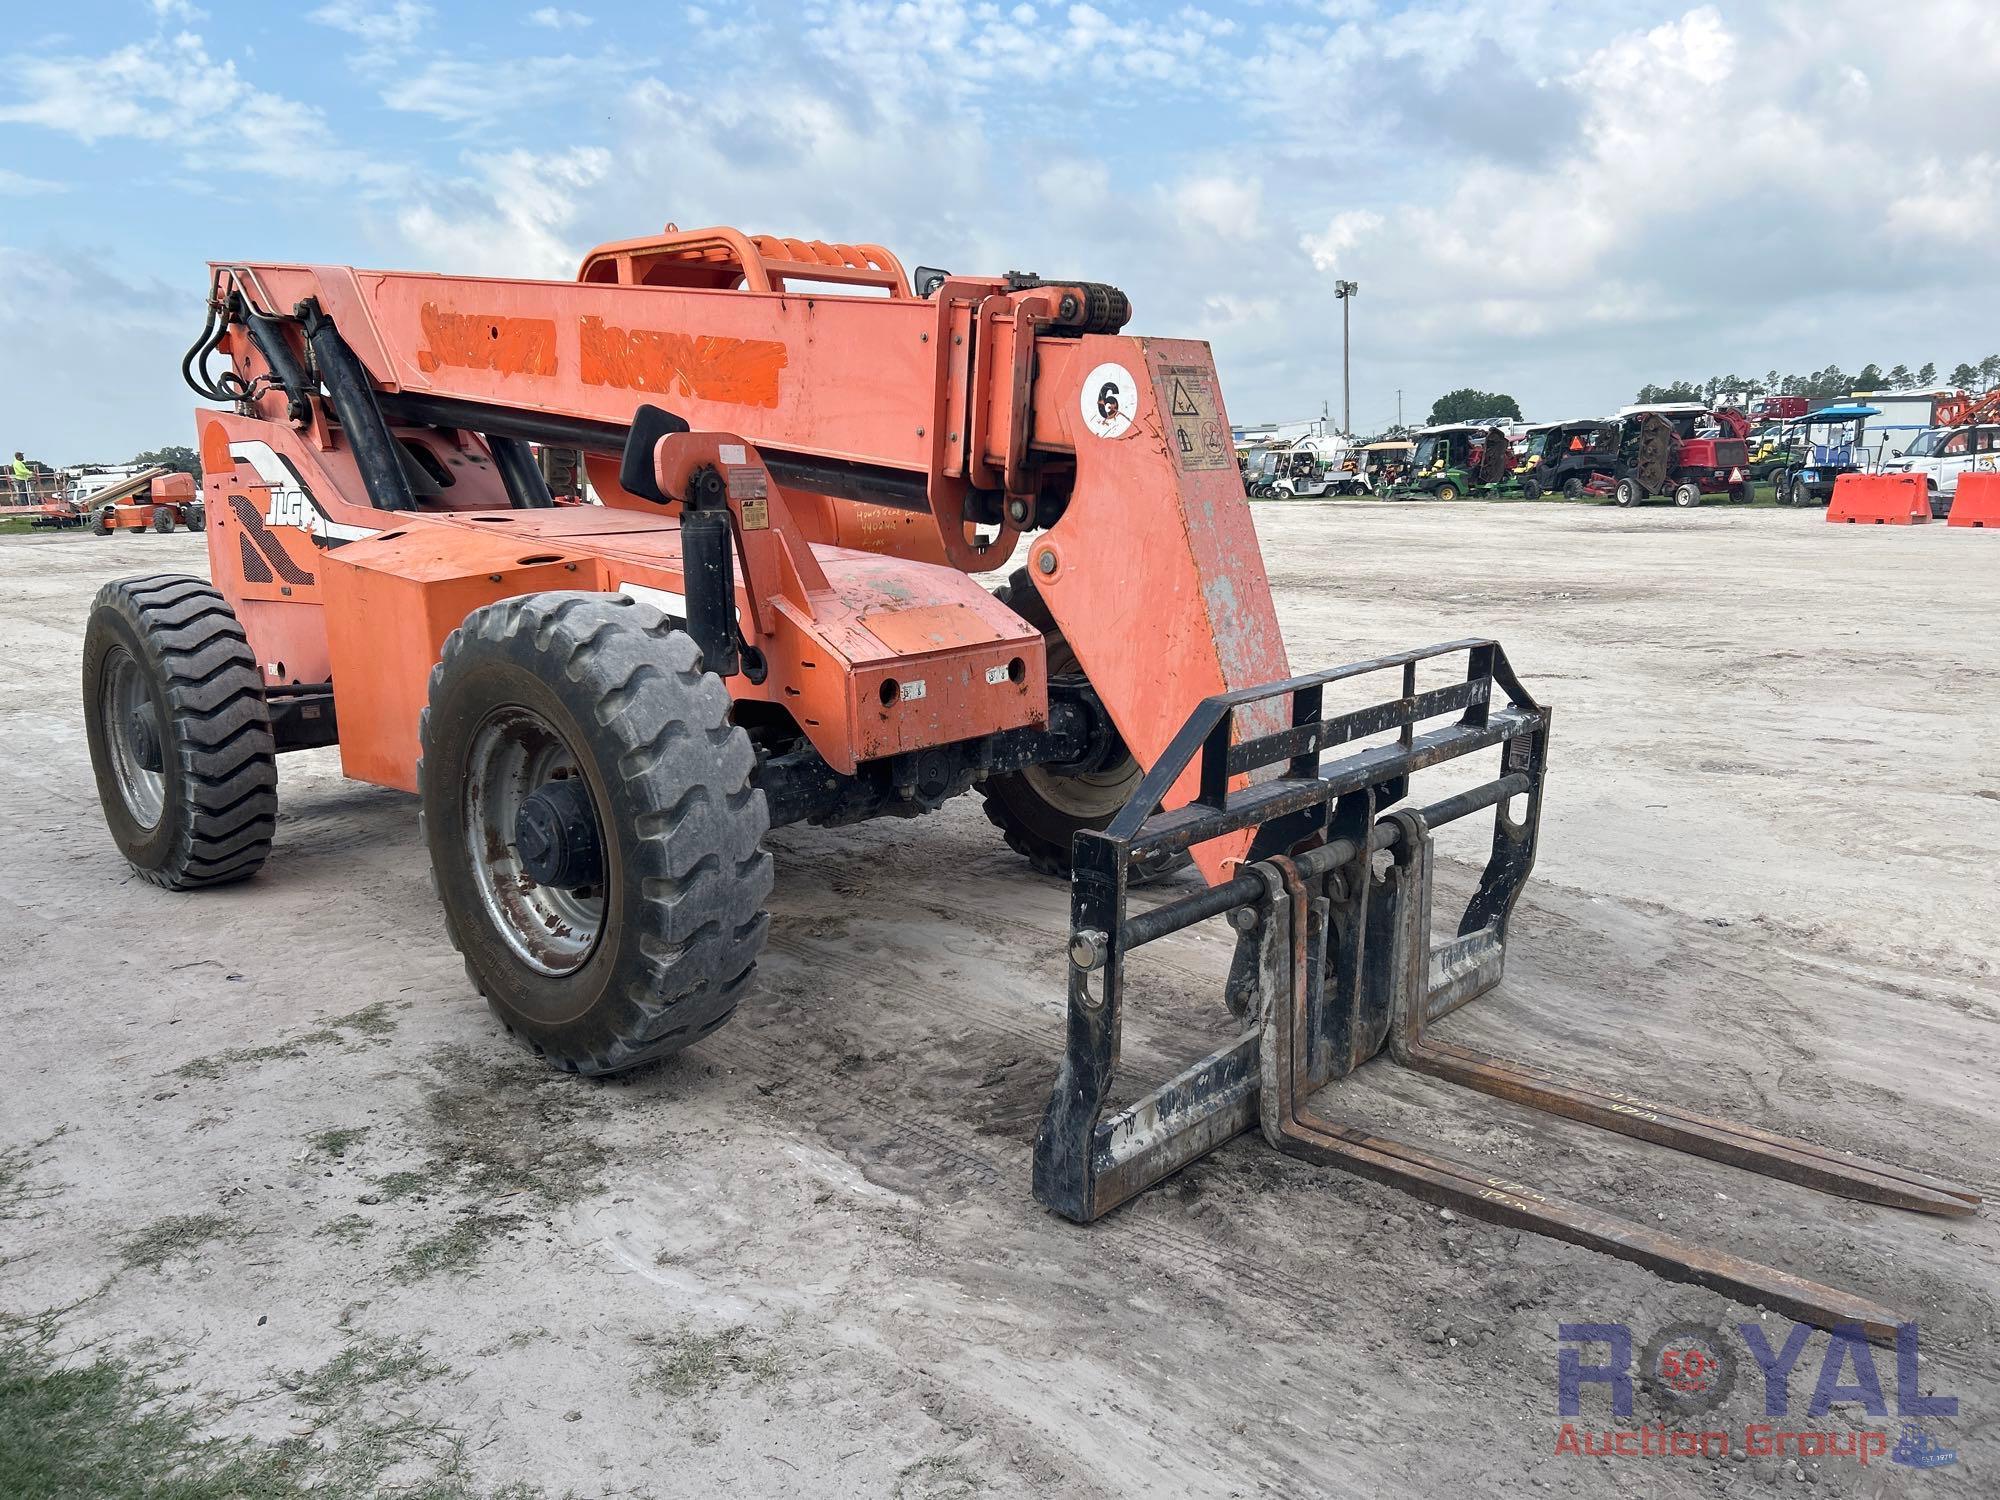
(1627, 492)
(100, 523)
(1445, 491)
(1531, 489)
(1039, 810)
(163, 519)
(196, 517)
(1687, 494)
(1572, 488)
(180, 740)
(593, 690)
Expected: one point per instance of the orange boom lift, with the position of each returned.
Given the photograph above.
(772, 618)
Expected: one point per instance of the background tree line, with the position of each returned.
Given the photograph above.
(1825, 385)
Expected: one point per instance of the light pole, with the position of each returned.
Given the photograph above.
(1345, 291)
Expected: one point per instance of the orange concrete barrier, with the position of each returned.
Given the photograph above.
(1880, 500)
(1977, 502)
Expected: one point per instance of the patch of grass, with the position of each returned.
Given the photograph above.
(103, 1428)
(350, 1229)
(411, 1184)
(333, 1143)
(209, 1068)
(95, 1423)
(172, 1238)
(683, 1365)
(370, 1362)
(16, 1164)
(513, 1134)
(516, 1129)
(453, 1251)
(372, 1021)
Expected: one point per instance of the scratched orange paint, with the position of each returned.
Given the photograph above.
(707, 367)
(479, 341)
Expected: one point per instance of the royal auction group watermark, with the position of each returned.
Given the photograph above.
(1690, 1369)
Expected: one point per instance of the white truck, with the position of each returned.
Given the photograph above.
(1942, 454)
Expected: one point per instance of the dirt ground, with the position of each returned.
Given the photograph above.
(265, 1139)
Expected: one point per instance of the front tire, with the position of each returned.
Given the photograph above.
(1628, 492)
(180, 740)
(600, 708)
(1039, 809)
(163, 519)
(1687, 494)
(1445, 491)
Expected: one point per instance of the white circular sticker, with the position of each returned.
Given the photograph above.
(1110, 400)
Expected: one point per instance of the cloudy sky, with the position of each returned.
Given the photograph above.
(1561, 199)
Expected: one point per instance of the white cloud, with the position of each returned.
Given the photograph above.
(460, 92)
(19, 185)
(514, 216)
(172, 91)
(121, 333)
(1343, 232)
(397, 24)
(178, 10)
(1225, 206)
(1562, 198)
(1958, 204)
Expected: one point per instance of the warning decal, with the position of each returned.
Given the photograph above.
(1195, 417)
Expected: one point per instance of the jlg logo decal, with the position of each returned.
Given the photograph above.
(290, 508)
(287, 501)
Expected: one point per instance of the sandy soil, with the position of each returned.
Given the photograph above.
(274, 1140)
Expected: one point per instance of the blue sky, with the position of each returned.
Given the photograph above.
(1562, 199)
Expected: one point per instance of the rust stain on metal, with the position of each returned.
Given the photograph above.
(707, 367)
(483, 341)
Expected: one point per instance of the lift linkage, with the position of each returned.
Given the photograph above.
(1334, 965)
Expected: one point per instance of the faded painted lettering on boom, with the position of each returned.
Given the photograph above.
(707, 367)
(483, 341)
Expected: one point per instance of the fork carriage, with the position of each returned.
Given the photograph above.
(1335, 964)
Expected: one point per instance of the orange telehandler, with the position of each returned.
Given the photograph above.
(771, 618)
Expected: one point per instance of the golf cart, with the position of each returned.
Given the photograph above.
(1305, 473)
(1381, 466)
(1832, 443)
(1260, 469)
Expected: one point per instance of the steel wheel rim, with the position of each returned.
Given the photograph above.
(121, 701)
(1093, 797)
(552, 930)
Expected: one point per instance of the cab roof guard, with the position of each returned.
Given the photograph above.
(725, 258)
